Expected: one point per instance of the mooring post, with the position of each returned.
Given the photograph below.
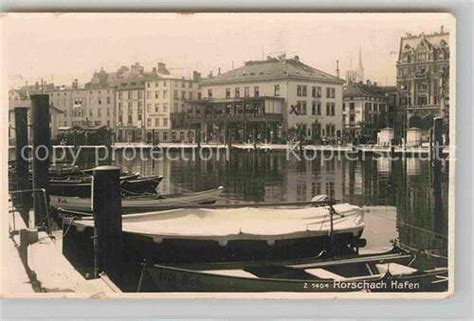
(21, 136)
(41, 154)
(107, 205)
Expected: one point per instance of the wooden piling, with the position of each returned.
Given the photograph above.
(40, 118)
(107, 205)
(21, 140)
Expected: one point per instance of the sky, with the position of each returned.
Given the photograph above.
(62, 47)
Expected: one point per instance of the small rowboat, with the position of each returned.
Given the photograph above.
(81, 187)
(382, 272)
(135, 204)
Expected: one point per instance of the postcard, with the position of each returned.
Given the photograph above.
(228, 155)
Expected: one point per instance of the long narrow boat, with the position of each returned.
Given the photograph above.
(381, 272)
(135, 204)
(81, 187)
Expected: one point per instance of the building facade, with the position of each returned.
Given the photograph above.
(423, 77)
(364, 110)
(276, 98)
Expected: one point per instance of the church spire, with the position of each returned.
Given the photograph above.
(360, 68)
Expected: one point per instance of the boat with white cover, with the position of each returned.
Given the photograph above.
(249, 233)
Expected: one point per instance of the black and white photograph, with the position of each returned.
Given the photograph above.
(228, 155)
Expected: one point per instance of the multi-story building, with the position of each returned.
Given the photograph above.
(423, 77)
(130, 110)
(364, 108)
(165, 95)
(266, 100)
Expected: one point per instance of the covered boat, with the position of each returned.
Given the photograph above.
(134, 204)
(224, 235)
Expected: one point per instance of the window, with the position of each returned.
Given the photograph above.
(120, 119)
(183, 84)
(333, 109)
(301, 107)
(277, 90)
(256, 91)
(140, 94)
(237, 92)
(246, 91)
(368, 106)
(330, 109)
(209, 93)
(351, 106)
(191, 95)
(165, 107)
(108, 111)
(319, 109)
(148, 108)
(98, 112)
(227, 93)
(175, 94)
(157, 122)
(298, 90)
(148, 122)
(108, 100)
(157, 94)
(190, 85)
(165, 122)
(183, 95)
(316, 91)
(148, 95)
(157, 108)
(343, 106)
(129, 119)
(313, 108)
(165, 92)
(330, 92)
(99, 101)
(164, 83)
(303, 93)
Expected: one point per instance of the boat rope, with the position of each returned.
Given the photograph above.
(425, 252)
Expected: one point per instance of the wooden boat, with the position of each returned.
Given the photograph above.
(81, 187)
(382, 272)
(135, 204)
(247, 234)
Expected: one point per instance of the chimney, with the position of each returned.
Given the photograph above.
(337, 69)
(162, 69)
(368, 82)
(154, 70)
(219, 71)
(75, 84)
(442, 29)
(196, 76)
(210, 74)
(297, 58)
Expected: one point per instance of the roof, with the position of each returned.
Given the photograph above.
(272, 69)
(362, 90)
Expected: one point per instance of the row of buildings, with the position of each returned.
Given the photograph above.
(275, 99)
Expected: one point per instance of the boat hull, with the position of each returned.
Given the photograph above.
(141, 204)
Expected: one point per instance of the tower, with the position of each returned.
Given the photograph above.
(360, 67)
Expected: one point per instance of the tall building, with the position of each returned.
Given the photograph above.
(364, 107)
(267, 100)
(423, 77)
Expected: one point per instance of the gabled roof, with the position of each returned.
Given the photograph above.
(272, 69)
